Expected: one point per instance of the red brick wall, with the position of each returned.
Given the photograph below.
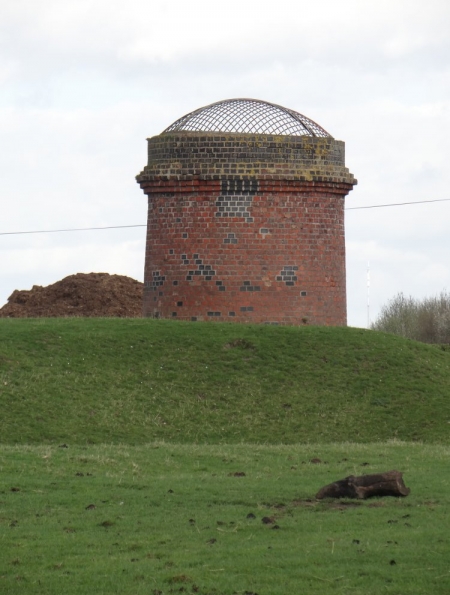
(252, 250)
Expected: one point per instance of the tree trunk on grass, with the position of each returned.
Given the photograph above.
(365, 486)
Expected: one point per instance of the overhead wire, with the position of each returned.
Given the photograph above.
(399, 204)
(12, 233)
(394, 204)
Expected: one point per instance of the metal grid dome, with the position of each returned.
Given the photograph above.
(249, 116)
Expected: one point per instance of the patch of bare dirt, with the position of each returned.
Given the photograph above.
(83, 294)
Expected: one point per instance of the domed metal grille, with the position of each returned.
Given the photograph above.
(249, 116)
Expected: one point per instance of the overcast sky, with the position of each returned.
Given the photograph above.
(85, 82)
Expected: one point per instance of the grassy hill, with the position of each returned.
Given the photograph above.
(134, 381)
(175, 473)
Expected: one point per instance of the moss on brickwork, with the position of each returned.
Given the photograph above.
(300, 158)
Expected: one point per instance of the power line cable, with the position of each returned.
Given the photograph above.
(14, 233)
(399, 204)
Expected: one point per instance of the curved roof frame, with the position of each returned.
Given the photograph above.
(248, 116)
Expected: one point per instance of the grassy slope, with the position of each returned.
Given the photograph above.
(135, 381)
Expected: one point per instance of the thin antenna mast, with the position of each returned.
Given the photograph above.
(368, 294)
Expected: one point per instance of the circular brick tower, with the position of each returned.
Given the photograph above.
(246, 217)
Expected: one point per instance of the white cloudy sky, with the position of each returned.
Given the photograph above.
(85, 82)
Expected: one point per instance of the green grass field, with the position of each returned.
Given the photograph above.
(166, 518)
(142, 457)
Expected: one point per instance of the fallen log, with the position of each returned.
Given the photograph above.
(366, 486)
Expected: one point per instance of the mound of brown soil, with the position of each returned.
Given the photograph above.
(92, 294)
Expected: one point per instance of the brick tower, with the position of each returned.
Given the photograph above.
(246, 218)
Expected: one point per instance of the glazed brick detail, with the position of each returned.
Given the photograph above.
(239, 242)
(288, 275)
(238, 186)
(234, 206)
(249, 287)
(230, 239)
(156, 280)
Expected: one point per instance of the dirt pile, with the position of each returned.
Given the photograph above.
(83, 294)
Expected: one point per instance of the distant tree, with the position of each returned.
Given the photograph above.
(426, 320)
